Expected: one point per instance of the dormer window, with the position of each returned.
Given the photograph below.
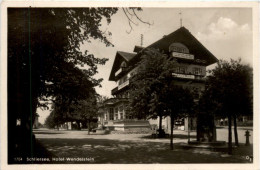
(121, 70)
(178, 47)
(123, 64)
(179, 50)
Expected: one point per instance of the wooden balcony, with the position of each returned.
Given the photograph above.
(189, 76)
(120, 87)
(183, 55)
(126, 83)
(184, 76)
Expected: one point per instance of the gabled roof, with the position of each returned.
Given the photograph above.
(127, 56)
(120, 57)
(182, 35)
(137, 48)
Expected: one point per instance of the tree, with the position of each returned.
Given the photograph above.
(87, 110)
(153, 92)
(229, 85)
(53, 120)
(179, 102)
(43, 61)
(206, 111)
(43, 54)
(146, 86)
(75, 86)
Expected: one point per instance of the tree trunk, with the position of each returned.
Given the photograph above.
(88, 126)
(214, 133)
(171, 142)
(71, 124)
(189, 128)
(229, 134)
(198, 128)
(160, 126)
(235, 130)
(78, 125)
(214, 130)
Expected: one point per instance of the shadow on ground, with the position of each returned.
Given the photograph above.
(47, 133)
(179, 136)
(125, 152)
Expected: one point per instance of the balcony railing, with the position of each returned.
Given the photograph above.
(189, 76)
(126, 83)
(185, 76)
(121, 86)
(183, 55)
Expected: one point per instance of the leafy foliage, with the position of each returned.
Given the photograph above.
(230, 87)
(85, 109)
(43, 51)
(43, 60)
(147, 85)
(179, 101)
(80, 111)
(230, 90)
(53, 120)
(153, 91)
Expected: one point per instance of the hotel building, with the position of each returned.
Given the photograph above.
(192, 59)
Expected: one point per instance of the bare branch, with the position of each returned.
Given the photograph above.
(141, 19)
(129, 19)
(129, 22)
(131, 28)
(129, 12)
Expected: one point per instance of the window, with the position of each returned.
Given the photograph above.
(181, 70)
(121, 108)
(197, 71)
(111, 114)
(116, 113)
(178, 47)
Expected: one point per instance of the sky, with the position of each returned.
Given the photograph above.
(226, 32)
